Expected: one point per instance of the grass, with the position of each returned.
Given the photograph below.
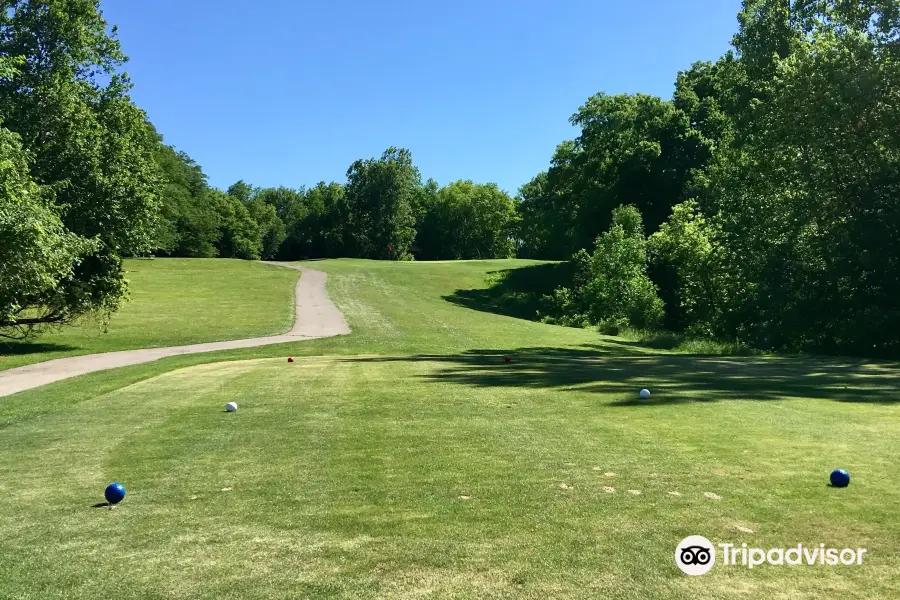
(518, 291)
(521, 291)
(175, 302)
(686, 344)
(407, 460)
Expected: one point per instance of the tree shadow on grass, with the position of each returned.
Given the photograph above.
(672, 378)
(684, 345)
(10, 348)
(521, 293)
(515, 292)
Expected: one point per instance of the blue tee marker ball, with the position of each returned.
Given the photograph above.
(840, 478)
(115, 493)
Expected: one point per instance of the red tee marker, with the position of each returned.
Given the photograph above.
(290, 359)
(508, 359)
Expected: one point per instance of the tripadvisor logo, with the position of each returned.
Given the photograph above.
(696, 555)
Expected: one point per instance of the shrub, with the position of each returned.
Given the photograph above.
(681, 257)
(619, 292)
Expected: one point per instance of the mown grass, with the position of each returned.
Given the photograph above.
(174, 302)
(408, 460)
(522, 291)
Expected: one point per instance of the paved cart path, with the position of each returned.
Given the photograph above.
(316, 316)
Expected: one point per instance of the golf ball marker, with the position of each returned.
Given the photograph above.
(840, 478)
(114, 493)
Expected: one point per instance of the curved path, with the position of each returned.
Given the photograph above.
(315, 317)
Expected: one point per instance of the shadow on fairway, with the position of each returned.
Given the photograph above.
(24, 348)
(515, 292)
(521, 293)
(672, 379)
(101, 505)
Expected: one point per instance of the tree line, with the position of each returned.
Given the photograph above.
(382, 211)
(758, 204)
(86, 180)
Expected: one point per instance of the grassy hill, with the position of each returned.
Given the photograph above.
(408, 460)
(174, 302)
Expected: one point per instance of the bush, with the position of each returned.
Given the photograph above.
(611, 288)
(564, 307)
(681, 257)
(619, 292)
(567, 304)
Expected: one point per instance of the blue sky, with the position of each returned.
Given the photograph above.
(290, 92)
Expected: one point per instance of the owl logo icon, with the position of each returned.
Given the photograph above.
(695, 555)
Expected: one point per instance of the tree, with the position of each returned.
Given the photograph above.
(636, 149)
(425, 201)
(263, 209)
(682, 257)
(533, 226)
(610, 288)
(283, 199)
(37, 253)
(239, 233)
(548, 207)
(291, 210)
(767, 35)
(271, 228)
(326, 227)
(619, 292)
(710, 94)
(189, 223)
(381, 197)
(467, 221)
(86, 142)
(632, 149)
(315, 220)
(798, 200)
(242, 190)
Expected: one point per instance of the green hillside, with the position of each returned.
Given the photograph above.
(410, 459)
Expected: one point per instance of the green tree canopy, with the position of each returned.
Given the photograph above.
(86, 143)
(239, 233)
(189, 223)
(271, 229)
(636, 149)
(465, 220)
(381, 196)
(37, 254)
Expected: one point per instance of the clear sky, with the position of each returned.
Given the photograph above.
(290, 92)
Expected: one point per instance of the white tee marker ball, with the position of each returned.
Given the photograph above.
(645, 393)
(231, 407)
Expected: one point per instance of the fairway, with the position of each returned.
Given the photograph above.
(408, 460)
(175, 302)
